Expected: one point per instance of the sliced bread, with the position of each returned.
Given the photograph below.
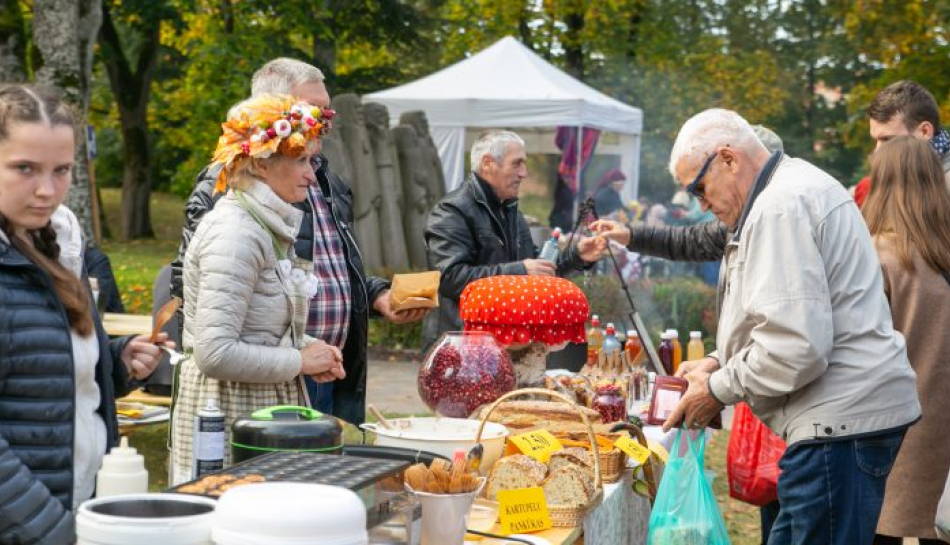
(518, 471)
(568, 486)
(578, 457)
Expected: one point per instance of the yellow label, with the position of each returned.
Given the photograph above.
(633, 449)
(537, 444)
(523, 510)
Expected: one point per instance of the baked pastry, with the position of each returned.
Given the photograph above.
(568, 486)
(518, 471)
(577, 457)
(550, 415)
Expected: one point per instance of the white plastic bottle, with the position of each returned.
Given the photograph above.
(122, 472)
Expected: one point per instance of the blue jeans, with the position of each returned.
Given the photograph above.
(321, 395)
(831, 492)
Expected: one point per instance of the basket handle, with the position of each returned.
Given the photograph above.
(635, 431)
(559, 397)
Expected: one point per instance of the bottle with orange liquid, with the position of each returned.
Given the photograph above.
(595, 339)
(677, 348)
(633, 347)
(695, 350)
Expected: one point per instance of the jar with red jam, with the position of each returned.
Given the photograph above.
(463, 371)
(609, 402)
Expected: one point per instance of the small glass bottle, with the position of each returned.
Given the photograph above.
(677, 349)
(695, 350)
(665, 352)
(633, 347)
(595, 338)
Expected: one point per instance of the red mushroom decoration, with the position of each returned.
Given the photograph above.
(522, 309)
(530, 315)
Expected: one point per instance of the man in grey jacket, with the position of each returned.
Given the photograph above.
(805, 333)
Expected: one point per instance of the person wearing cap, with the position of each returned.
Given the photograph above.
(607, 198)
(805, 330)
(477, 230)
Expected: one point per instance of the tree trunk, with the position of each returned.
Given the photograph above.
(64, 33)
(12, 42)
(131, 90)
(574, 43)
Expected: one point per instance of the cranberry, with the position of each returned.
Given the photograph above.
(464, 372)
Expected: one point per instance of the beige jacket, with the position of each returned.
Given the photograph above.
(805, 333)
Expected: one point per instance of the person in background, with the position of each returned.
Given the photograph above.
(607, 198)
(906, 108)
(99, 267)
(247, 294)
(805, 331)
(908, 215)
(346, 297)
(59, 372)
(477, 231)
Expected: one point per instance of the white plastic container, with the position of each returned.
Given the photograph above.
(289, 514)
(145, 519)
(442, 436)
(122, 472)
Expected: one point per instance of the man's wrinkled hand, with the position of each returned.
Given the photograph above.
(697, 407)
(707, 365)
(612, 230)
(540, 267)
(382, 305)
(591, 249)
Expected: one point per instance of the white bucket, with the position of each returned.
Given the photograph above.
(145, 519)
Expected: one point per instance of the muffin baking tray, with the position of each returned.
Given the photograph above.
(352, 472)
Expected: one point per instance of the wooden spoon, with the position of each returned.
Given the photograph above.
(164, 314)
(379, 416)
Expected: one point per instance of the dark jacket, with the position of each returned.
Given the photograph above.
(467, 239)
(349, 394)
(37, 404)
(699, 242)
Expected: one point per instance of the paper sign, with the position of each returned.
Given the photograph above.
(523, 510)
(633, 449)
(537, 444)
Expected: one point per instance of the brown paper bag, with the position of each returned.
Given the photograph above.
(414, 290)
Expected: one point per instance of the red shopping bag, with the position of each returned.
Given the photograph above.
(752, 458)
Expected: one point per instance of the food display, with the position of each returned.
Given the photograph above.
(609, 402)
(464, 371)
(520, 416)
(517, 471)
(442, 477)
(217, 484)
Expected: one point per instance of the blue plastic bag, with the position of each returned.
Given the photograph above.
(685, 511)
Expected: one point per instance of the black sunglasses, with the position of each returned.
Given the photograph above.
(700, 192)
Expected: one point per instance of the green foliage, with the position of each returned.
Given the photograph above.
(386, 335)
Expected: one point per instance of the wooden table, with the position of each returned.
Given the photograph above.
(120, 325)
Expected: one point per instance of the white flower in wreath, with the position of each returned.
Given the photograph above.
(285, 266)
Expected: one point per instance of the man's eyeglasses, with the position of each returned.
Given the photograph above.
(700, 192)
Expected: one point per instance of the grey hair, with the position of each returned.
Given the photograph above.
(708, 130)
(281, 75)
(492, 143)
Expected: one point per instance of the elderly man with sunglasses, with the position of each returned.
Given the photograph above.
(805, 333)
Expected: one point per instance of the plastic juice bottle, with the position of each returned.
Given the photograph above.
(695, 350)
(677, 348)
(550, 250)
(611, 344)
(634, 346)
(665, 352)
(595, 338)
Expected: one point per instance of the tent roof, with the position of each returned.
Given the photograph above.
(508, 85)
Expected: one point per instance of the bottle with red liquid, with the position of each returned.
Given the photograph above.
(666, 352)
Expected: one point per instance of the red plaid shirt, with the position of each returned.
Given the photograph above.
(329, 318)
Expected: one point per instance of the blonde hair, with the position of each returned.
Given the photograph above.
(909, 200)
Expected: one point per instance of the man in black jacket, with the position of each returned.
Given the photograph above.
(346, 297)
(477, 231)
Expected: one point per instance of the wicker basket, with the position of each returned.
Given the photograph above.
(649, 472)
(612, 462)
(561, 517)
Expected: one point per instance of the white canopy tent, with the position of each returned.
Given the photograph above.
(508, 85)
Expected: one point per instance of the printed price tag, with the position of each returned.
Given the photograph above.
(523, 510)
(537, 444)
(633, 449)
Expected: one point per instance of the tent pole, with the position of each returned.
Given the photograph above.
(579, 171)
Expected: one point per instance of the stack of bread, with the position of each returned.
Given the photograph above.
(567, 479)
(554, 416)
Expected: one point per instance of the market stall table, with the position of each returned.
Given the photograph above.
(120, 325)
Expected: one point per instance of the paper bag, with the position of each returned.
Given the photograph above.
(414, 290)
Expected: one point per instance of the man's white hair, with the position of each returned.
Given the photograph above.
(492, 143)
(281, 75)
(711, 129)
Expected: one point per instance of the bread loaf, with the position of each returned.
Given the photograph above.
(523, 415)
(518, 471)
(574, 457)
(568, 486)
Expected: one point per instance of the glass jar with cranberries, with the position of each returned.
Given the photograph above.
(463, 371)
(609, 402)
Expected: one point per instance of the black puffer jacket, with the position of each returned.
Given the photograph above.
(349, 395)
(37, 404)
(466, 240)
(700, 242)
